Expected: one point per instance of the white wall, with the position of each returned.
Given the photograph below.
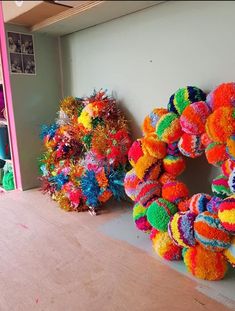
(144, 57)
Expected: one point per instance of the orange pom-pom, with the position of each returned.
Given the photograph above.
(205, 264)
(175, 191)
(222, 96)
(220, 124)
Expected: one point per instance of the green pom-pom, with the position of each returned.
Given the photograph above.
(159, 213)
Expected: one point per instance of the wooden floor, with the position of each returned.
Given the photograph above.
(57, 261)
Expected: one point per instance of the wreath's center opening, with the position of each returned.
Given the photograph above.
(198, 175)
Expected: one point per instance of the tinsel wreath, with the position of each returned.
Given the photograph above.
(199, 227)
(85, 158)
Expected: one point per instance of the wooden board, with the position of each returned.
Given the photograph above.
(34, 12)
(87, 14)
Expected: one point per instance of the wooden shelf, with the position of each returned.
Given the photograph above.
(30, 12)
(87, 14)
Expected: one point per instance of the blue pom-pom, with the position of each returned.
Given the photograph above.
(59, 180)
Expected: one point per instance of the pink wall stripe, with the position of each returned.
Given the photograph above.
(8, 102)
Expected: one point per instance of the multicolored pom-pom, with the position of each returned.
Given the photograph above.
(147, 192)
(174, 165)
(220, 186)
(213, 205)
(231, 181)
(205, 264)
(191, 145)
(198, 202)
(131, 181)
(149, 124)
(153, 146)
(159, 213)
(216, 154)
(166, 177)
(140, 218)
(193, 118)
(184, 97)
(147, 167)
(168, 128)
(230, 147)
(181, 230)
(175, 191)
(227, 167)
(165, 248)
(229, 253)
(226, 214)
(135, 152)
(209, 232)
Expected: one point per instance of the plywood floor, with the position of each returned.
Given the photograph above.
(53, 260)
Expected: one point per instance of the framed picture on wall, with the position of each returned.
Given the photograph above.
(21, 53)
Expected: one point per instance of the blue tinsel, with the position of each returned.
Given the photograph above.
(59, 180)
(90, 188)
(48, 130)
(116, 183)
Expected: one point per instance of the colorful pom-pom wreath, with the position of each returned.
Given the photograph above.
(175, 191)
(135, 152)
(198, 227)
(149, 124)
(220, 124)
(220, 186)
(227, 167)
(140, 218)
(216, 154)
(209, 232)
(184, 97)
(205, 264)
(165, 178)
(226, 214)
(231, 181)
(165, 248)
(230, 148)
(159, 213)
(191, 145)
(168, 128)
(181, 230)
(229, 253)
(222, 96)
(174, 165)
(193, 118)
(147, 192)
(153, 146)
(205, 139)
(148, 167)
(131, 181)
(213, 205)
(198, 202)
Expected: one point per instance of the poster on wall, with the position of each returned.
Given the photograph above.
(21, 53)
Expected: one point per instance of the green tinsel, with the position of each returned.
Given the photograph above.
(87, 140)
